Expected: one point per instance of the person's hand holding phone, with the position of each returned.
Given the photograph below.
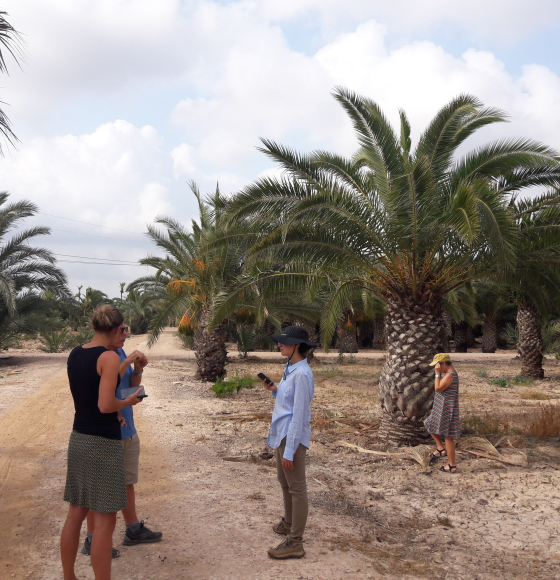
(268, 384)
(134, 399)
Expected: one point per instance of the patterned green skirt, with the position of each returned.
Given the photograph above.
(95, 477)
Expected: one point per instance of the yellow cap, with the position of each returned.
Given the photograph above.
(440, 357)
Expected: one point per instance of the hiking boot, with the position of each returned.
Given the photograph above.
(141, 536)
(289, 548)
(86, 549)
(282, 528)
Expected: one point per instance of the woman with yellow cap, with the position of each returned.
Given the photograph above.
(444, 419)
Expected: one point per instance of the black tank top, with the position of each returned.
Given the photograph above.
(84, 385)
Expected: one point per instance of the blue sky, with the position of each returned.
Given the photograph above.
(119, 104)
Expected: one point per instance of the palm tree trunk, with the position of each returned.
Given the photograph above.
(471, 341)
(347, 341)
(379, 333)
(460, 338)
(489, 336)
(210, 350)
(530, 346)
(406, 383)
(367, 331)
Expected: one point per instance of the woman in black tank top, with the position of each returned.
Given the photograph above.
(95, 478)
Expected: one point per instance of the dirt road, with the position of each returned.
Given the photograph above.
(212, 528)
(370, 517)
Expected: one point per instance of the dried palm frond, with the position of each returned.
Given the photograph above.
(421, 455)
(513, 441)
(479, 444)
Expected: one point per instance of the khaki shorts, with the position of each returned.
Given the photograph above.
(131, 446)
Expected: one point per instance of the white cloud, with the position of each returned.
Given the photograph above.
(234, 76)
(101, 176)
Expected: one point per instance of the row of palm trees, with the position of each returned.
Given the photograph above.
(401, 228)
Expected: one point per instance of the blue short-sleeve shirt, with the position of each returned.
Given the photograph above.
(127, 412)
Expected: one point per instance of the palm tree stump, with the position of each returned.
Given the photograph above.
(530, 345)
(210, 350)
(406, 384)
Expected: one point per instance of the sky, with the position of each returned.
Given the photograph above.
(120, 103)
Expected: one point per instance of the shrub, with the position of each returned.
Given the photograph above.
(481, 373)
(83, 336)
(521, 381)
(544, 422)
(537, 396)
(187, 340)
(54, 340)
(225, 388)
(486, 424)
(499, 382)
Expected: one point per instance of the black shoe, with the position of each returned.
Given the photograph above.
(141, 536)
(87, 549)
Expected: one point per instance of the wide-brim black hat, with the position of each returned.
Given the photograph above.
(293, 335)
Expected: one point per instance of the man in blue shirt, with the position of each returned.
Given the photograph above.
(131, 370)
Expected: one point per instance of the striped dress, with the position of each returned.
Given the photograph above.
(444, 419)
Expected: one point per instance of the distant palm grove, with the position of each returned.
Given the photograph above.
(411, 248)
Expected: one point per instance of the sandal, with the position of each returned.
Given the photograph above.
(452, 468)
(438, 454)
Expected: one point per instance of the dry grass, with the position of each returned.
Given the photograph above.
(544, 422)
(486, 424)
(538, 396)
(257, 496)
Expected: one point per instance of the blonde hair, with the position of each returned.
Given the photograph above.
(106, 317)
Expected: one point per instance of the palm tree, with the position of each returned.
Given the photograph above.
(533, 274)
(26, 272)
(91, 299)
(189, 277)
(493, 308)
(139, 309)
(409, 225)
(11, 41)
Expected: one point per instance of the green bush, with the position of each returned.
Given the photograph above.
(83, 336)
(226, 387)
(54, 340)
(521, 381)
(481, 373)
(187, 340)
(499, 382)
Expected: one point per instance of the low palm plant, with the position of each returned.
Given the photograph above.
(407, 224)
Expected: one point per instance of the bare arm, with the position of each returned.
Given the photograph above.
(139, 360)
(108, 367)
(442, 384)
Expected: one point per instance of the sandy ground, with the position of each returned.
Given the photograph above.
(371, 516)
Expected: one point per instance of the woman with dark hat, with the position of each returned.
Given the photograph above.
(290, 434)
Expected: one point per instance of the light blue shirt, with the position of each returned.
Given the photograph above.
(127, 413)
(292, 410)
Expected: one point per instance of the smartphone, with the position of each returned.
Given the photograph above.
(264, 378)
(131, 390)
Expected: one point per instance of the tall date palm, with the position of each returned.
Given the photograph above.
(408, 225)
